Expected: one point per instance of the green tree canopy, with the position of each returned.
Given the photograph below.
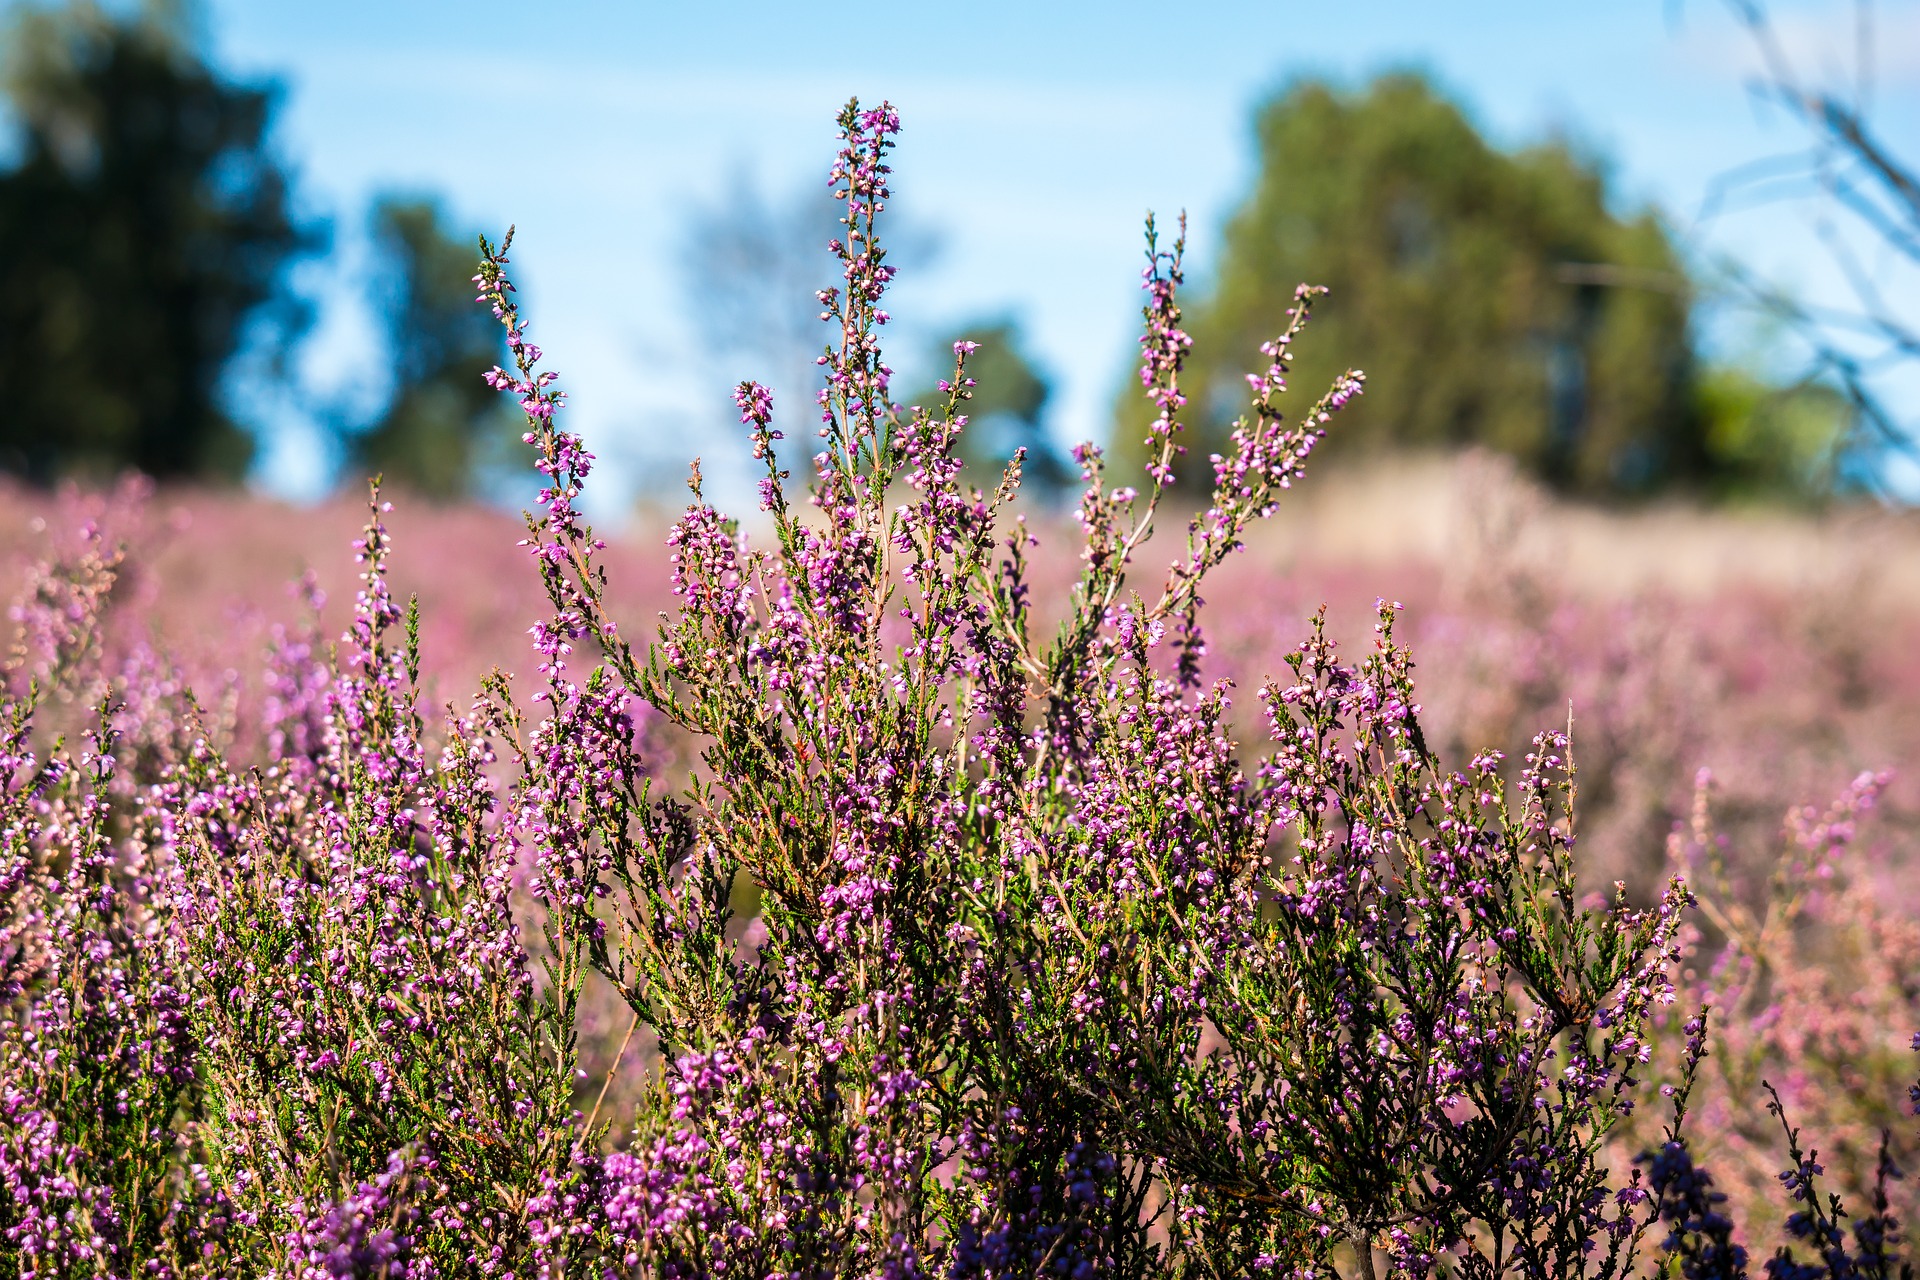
(1492, 297)
(1774, 442)
(443, 425)
(1008, 409)
(145, 230)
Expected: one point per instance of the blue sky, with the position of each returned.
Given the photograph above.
(1037, 135)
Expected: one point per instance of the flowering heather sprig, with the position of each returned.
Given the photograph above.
(562, 544)
(756, 412)
(1700, 1235)
(1163, 349)
(1267, 456)
(1816, 1224)
(580, 785)
(854, 401)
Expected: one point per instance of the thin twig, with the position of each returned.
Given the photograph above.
(613, 1067)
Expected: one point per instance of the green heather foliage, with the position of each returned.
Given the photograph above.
(1494, 297)
(1052, 974)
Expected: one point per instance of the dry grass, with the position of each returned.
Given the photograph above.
(1438, 510)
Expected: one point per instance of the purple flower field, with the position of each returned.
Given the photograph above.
(902, 882)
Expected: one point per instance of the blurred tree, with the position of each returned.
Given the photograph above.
(1492, 298)
(1008, 409)
(444, 427)
(1772, 442)
(145, 236)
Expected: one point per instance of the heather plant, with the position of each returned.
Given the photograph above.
(97, 1052)
(1813, 973)
(1043, 977)
(365, 1000)
(233, 992)
(969, 945)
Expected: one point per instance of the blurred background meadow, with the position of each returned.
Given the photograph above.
(1634, 286)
